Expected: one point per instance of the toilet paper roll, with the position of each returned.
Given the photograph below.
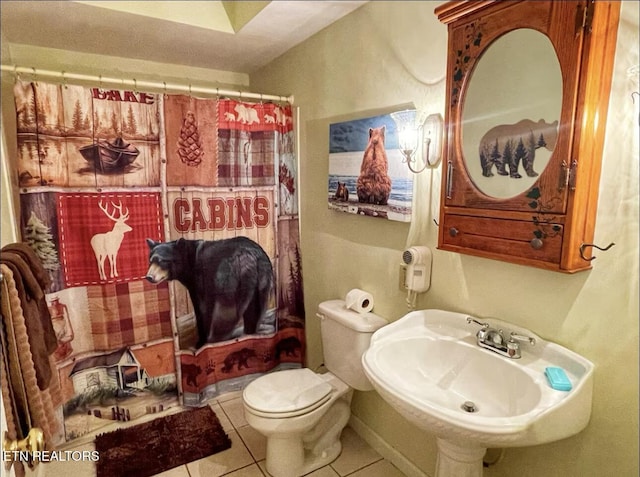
(359, 300)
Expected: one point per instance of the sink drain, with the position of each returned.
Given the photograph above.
(469, 406)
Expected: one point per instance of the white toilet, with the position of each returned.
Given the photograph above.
(302, 413)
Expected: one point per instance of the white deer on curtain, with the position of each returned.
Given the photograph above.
(106, 245)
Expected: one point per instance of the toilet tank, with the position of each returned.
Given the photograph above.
(346, 335)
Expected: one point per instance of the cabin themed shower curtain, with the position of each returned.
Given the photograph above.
(205, 190)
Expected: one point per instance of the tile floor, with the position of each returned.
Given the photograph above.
(246, 456)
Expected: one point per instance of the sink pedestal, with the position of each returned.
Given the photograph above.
(455, 460)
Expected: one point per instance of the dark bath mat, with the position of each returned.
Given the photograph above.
(166, 442)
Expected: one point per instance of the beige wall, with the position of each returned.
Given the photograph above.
(384, 56)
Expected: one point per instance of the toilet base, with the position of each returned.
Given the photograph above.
(285, 458)
(294, 456)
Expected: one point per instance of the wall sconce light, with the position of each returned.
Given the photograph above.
(419, 139)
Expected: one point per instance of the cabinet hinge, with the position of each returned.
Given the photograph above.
(563, 181)
(568, 175)
(573, 173)
(584, 17)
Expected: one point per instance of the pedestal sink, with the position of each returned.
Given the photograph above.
(428, 366)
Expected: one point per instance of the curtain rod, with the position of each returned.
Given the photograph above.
(136, 84)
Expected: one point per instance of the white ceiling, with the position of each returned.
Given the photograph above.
(195, 36)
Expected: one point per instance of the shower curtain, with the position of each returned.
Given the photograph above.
(207, 189)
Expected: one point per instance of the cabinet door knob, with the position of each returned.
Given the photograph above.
(536, 243)
(453, 231)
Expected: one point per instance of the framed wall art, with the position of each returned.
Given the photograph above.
(367, 175)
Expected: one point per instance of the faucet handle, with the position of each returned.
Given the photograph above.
(473, 320)
(516, 336)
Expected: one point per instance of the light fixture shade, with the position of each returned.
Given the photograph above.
(403, 118)
(407, 131)
(419, 143)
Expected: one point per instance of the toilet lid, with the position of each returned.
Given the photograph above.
(287, 391)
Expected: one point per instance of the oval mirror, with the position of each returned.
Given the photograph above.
(511, 113)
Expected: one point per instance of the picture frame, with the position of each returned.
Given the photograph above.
(367, 175)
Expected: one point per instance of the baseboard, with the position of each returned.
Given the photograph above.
(377, 443)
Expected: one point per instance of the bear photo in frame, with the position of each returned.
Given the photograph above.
(366, 171)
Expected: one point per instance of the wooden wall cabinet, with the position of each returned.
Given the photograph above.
(518, 186)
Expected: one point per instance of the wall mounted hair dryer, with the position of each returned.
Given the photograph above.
(417, 276)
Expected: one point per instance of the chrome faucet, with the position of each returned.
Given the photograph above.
(493, 339)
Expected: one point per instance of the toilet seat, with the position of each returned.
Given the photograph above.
(287, 393)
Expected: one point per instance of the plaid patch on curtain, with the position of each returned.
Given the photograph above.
(245, 158)
(91, 225)
(247, 141)
(124, 314)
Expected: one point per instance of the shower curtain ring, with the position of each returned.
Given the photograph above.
(135, 85)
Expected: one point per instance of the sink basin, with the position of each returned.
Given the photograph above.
(429, 367)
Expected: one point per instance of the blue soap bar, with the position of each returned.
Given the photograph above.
(558, 379)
